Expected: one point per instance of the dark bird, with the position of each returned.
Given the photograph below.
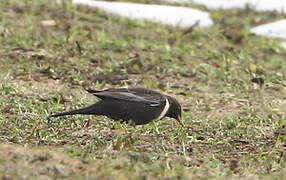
(140, 105)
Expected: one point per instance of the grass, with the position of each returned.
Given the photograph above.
(235, 128)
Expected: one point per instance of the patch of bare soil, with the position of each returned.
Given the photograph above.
(24, 163)
(37, 83)
(47, 88)
(228, 110)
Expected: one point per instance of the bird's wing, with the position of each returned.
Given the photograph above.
(141, 95)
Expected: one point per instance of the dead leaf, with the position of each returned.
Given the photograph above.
(252, 68)
(48, 23)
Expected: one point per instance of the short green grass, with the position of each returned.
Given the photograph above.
(234, 127)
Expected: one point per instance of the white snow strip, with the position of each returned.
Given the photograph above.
(171, 15)
(276, 29)
(258, 5)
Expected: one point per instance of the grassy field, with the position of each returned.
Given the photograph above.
(49, 52)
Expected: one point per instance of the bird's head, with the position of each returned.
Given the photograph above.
(175, 109)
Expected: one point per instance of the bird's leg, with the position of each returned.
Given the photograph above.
(180, 122)
(87, 123)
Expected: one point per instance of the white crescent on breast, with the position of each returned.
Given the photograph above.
(165, 110)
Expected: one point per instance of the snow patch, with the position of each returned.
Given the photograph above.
(276, 29)
(170, 15)
(258, 5)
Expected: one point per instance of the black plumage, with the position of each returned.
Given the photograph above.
(140, 105)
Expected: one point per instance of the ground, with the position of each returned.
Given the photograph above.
(230, 83)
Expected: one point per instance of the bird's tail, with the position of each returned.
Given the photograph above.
(87, 110)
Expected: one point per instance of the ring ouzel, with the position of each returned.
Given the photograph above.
(140, 105)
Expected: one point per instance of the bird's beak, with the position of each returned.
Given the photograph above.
(179, 121)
